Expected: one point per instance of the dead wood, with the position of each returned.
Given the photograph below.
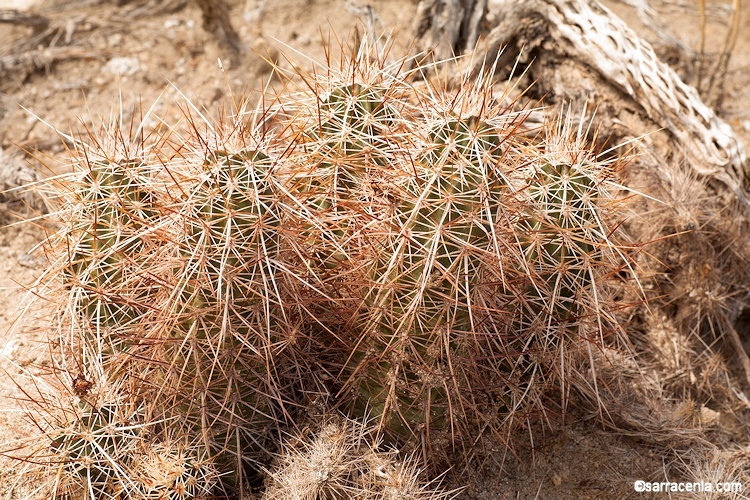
(21, 65)
(590, 34)
(35, 21)
(449, 27)
(216, 20)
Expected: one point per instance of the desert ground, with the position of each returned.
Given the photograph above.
(95, 58)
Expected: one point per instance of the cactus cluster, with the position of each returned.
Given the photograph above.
(404, 250)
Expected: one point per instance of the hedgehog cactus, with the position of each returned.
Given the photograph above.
(169, 471)
(179, 264)
(96, 448)
(452, 300)
(114, 209)
(347, 141)
(431, 284)
(106, 453)
(564, 235)
(559, 246)
(342, 460)
(354, 120)
(404, 250)
(232, 305)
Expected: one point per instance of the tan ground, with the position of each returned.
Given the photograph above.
(84, 77)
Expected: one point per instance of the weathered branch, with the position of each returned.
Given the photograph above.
(216, 20)
(449, 27)
(589, 32)
(35, 21)
(22, 64)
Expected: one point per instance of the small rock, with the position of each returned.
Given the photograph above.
(303, 40)
(9, 349)
(709, 417)
(179, 67)
(254, 13)
(122, 66)
(26, 260)
(114, 40)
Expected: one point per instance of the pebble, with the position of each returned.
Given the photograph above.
(114, 40)
(709, 417)
(122, 66)
(9, 349)
(26, 260)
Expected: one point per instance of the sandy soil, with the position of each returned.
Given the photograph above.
(107, 56)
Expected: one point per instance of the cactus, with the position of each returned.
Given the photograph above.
(354, 120)
(231, 327)
(195, 247)
(564, 233)
(106, 453)
(232, 308)
(170, 471)
(346, 137)
(483, 261)
(342, 459)
(559, 246)
(113, 207)
(434, 262)
(96, 448)
(405, 250)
